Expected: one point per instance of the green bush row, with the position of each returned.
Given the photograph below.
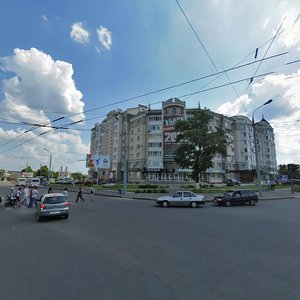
(148, 186)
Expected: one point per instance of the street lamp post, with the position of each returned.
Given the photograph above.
(50, 162)
(124, 140)
(257, 161)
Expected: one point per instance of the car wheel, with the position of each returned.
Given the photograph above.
(193, 204)
(252, 202)
(228, 203)
(165, 204)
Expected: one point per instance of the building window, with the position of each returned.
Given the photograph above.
(174, 111)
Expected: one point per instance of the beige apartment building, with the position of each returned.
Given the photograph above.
(142, 141)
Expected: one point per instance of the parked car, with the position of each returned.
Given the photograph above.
(232, 182)
(181, 198)
(237, 197)
(55, 204)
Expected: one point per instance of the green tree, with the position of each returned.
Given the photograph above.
(77, 176)
(283, 170)
(199, 143)
(55, 175)
(42, 171)
(27, 169)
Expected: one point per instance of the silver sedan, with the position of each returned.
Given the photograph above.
(54, 204)
(181, 198)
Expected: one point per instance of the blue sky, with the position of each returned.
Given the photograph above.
(61, 58)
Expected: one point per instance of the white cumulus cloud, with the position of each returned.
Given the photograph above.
(283, 113)
(79, 34)
(236, 107)
(40, 85)
(105, 37)
(38, 89)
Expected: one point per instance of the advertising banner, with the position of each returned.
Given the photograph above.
(98, 161)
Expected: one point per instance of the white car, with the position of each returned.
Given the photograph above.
(181, 198)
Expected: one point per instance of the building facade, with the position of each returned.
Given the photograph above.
(141, 143)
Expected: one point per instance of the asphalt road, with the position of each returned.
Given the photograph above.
(113, 248)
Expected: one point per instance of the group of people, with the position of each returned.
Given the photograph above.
(24, 195)
(28, 196)
(271, 184)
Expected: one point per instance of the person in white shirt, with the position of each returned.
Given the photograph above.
(34, 193)
(25, 195)
(18, 197)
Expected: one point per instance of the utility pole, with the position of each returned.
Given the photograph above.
(50, 163)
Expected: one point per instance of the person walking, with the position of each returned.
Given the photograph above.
(50, 190)
(25, 195)
(33, 195)
(18, 197)
(92, 193)
(268, 183)
(79, 195)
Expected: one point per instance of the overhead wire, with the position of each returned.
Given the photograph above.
(197, 36)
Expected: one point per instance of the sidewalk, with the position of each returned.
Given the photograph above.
(279, 194)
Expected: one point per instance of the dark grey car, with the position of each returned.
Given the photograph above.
(54, 204)
(237, 197)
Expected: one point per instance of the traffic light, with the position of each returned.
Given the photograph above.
(293, 168)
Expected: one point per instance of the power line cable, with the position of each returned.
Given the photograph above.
(197, 36)
(149, 93)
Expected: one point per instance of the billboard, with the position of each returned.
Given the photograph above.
(98, 161)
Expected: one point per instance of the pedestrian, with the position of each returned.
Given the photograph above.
(92, 193)
(50, 190)
(273, 185)
(268, 183)
(33, 195)
(66, 192)
(79, 195)
(25, 195)
(12, 196)
(18, 197)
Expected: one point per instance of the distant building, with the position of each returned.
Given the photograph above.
(63, 173)
(145, 140)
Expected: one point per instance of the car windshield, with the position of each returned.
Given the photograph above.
(55, 200)
(229, 194)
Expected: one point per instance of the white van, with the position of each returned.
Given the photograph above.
(21, 181)
(34, 182)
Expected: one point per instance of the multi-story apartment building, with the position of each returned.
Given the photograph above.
(266, 146)
(141, 142)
